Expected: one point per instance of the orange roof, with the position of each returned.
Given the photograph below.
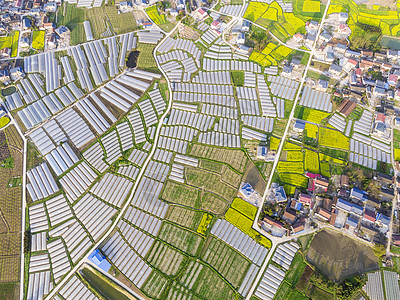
(324, 212)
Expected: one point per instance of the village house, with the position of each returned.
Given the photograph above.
(289, 216)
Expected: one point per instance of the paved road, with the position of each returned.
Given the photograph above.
(126, 205)
(266, 193)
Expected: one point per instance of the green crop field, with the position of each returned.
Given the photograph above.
(180, 238)
(237, 78)
(296, 269)
(184, 216)
(211, 165)
(213, 203)
(206, 282)
(180, 194)
(101, 19)
(165, 258)
(227, 261)
(235, 158)
(155, 285)
(146, 59)
(38, 39)
(121, 23)
(210, 182)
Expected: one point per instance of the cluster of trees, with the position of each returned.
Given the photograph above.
(357, 175)
(343, 290)
(365, 36)
(257, 39)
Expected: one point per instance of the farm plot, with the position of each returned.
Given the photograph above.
(312, 6)
(182, 239)
(10, 244)
(155, 285)
(165, 258)
(121, 23)
(311, 130)
(185, 217)
(155, 16)
(291, 146)
(204, 281)
(338, 256)
(213, 203)
(13, 138)
(11, 197)
(271, 55)
(10, 41)
(209, 182)
(296, 269)
(244, 208)
(228, 262)
(397, 154)
(205, 222)
(180, 194)
(254, 178)
(235, 158)
(290, 166)
(309, 114)
(244, 224)
(211, 165)
(294, 179)
(274, 143)
(282, 24)
(311, 161)
(177, 291)
(9, 269)
(146, 60)
(230, 177)
(334, 139)
(294, 155)
(38, 39)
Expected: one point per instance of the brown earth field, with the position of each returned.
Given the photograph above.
(253, 176)
(338, 256)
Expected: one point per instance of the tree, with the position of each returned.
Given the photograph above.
(379, 250)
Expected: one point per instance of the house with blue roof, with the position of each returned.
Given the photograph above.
(299, 125)
(382, 220)
(352, 222)
(356, 209)
(280, 195)
(99, 260)
(358, 195)
(246, 190)
(262, 152)
(343, 205)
